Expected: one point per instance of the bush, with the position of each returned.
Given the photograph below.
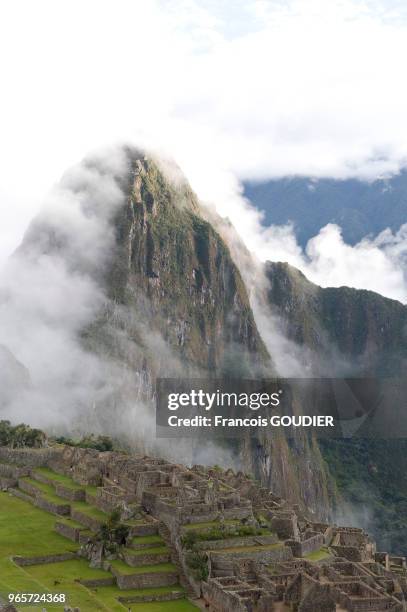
(100, 443)
(21, 436)
(198, 563)
(113, 533)
(188, 540)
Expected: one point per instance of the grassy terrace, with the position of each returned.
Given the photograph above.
(151, 591)
(151, 539)
(64, 480)
(157, 590)
(181, 605)
(89, 511)
(48, 492)
(318, 555)
(159, 568)
(156, 550)
(45, 491)
(71, 523)
(26, 530)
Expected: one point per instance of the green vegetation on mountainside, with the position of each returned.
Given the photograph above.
(371, 476)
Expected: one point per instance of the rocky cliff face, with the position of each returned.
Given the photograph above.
(171, 274)
(355, 331)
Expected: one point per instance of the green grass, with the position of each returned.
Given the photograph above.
(46, 491)
(26, 530)
(153, 591)
(179, 605)
(57, 478)
(65, 572)
(159, 568)
(156, 550)
(90, 511)
(151, 539)
(318, 555)
(110, 595)
(70, 523)
(64, 480)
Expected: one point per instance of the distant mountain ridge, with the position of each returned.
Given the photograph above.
(359, 208)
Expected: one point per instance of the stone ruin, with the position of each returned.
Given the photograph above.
(261, 554)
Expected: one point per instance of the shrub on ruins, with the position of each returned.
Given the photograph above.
(189, 539)
(100, 443)
(198, 563)
(263, 522)
(113, 533)
(21, 436)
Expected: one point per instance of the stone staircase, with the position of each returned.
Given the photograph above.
(175, 558)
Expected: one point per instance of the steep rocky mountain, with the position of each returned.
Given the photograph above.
(356, 331)
(353, 333)
(170, 302)
(360, 208)
(171, 271)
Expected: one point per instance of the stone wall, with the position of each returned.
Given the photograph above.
(7, 483)
(28, 487)
(285, 526)
(305, 547)
(41, 560)
(143, 530)
(348, 552)
(98, 582)
(52, 507)
(8, 470)
(135, 560)
(68, 531)
(167, 513)
(22, 495)
(69, 493)
(398, 561)
(318, 599)
(221, 599)
(262, 556)
(231, 542)
(144, 581)
(84, 519)
(29, 457)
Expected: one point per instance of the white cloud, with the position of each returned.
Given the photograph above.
(243, 89)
